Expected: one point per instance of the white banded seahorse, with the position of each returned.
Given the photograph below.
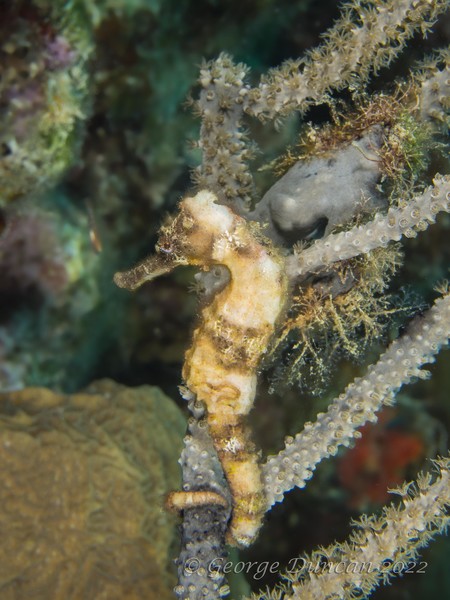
(233, 333)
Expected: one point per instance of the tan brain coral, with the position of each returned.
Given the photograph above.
(83, 482)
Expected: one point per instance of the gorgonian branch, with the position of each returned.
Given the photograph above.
(398, 222)
(367, 36)
(399, 365)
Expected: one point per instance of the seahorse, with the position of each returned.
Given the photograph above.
(231, 337)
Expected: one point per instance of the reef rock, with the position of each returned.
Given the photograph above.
(84, 478)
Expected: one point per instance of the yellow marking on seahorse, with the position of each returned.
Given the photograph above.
(233, 333)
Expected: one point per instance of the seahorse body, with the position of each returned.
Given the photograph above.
(232, 336)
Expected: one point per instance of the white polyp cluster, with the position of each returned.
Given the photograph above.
(350, 48)
(435, 90)
(398, 222)
(401, 362)
(222, 141)
(380, 544)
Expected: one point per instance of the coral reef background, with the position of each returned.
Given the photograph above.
(82, 476)
(94, 151)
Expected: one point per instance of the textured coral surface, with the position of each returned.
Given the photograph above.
(83, 483)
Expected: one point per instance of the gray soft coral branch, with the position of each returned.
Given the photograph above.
(302, 207)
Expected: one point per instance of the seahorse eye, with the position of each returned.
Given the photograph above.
(165, 247)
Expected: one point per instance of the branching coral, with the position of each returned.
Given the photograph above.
(344, 203)
(357, 567)
(360, 402)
